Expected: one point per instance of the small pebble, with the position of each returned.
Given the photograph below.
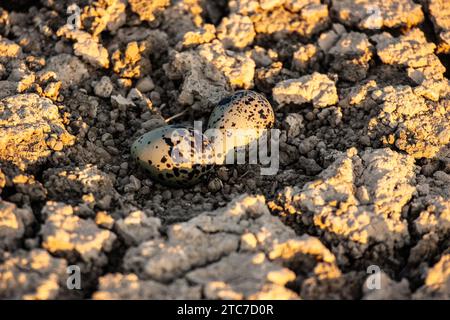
(145, 85)
(104, 87)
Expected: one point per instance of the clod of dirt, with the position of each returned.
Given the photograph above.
(371, 188)
(410, 122)
(14, 223)
(432, 206)
(87, 183)
(317, 89)
(440, 16)
(281, 19)
(202, 82)
(236, 31)
(66, 235)
(378, 14)
(104, 15)
(147, 9)
(305, 57)
(9, 50)
(242, 233)
(68, 69)
(437, 281)
(237, 68)
(194, 38)
(137, 227)
(269, 277)
(351, 55)
(31, 275)
(293, 124)
(104, 87)
(30, 128)
(86, 46)
(131, 63)
(129, 286)
(416, 55)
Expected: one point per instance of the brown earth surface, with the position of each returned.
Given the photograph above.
(361, 95)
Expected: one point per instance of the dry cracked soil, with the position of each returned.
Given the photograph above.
(361, 95)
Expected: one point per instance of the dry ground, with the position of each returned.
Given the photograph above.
(362, 96)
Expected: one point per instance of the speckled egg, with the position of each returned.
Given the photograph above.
(243, 110)
(174, 155)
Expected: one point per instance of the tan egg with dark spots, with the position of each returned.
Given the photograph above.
(174, 155)
(242, 117)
